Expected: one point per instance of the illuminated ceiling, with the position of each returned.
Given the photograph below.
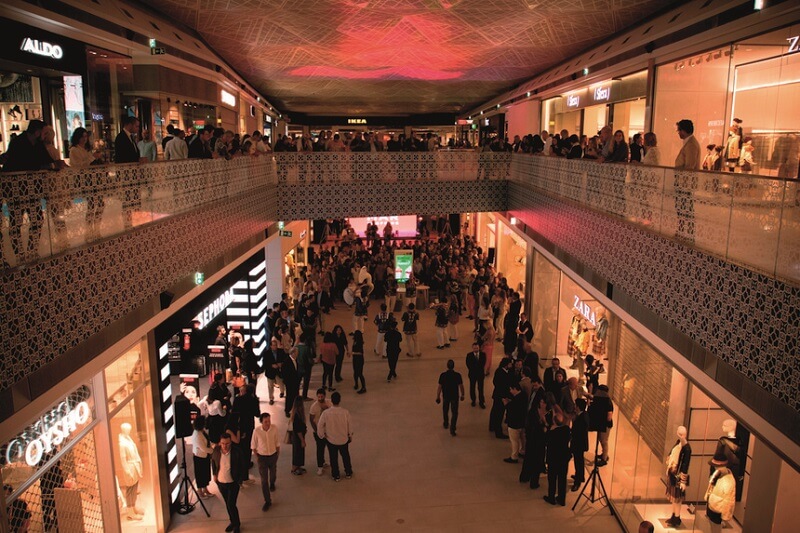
(382, 57)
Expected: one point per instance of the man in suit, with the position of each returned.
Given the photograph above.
(228, 467)
(476, 362)
(689, 158)
(127, 151)
(510, 324)
(274, 358)
(557, 457)
(550, 384)
(200, 145)
(579, 443)
(502, 382)
(125, 147)
(291, 374)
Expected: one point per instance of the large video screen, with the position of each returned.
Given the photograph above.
(403, 226)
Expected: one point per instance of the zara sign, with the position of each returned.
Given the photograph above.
(584, 309)
(41, 48)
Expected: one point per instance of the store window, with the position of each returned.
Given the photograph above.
(130, 407)
(544, 310)
(756, 82)
(110, 79)
(49, 470)
(512, 258)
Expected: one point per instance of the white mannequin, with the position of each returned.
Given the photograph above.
(131, 465)
(729, 427)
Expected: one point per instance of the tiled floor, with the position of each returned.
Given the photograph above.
(409, 473)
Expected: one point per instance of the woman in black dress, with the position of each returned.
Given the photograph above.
(340, 338)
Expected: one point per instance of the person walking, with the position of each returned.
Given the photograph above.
(290, 374)
(226, 462)
(442, 341)
(393, 339)
(266, 445)
(476, 363)
(358, 362)
(410, 319)
(336, 427)
(273, 360)
(381, 319)
(298, 424)
(450, 384)
(314, 413)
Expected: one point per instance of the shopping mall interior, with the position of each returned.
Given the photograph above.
(481, 159)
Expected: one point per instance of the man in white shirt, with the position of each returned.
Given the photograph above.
(177, 148)
(334, 425)
(689, 158)
(227, 465)
(266, 446)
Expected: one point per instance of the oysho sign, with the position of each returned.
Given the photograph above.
(215, 308)
(584, 309)
(51, 430)
(227, 98)
(42, 48)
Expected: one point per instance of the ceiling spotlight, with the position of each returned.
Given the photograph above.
(498, 106)
(586, 71)
(528, 94)
(481, 112)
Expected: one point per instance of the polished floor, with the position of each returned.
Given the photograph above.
(409, 473)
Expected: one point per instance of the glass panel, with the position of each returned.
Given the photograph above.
(135, 463)
(545, 305)
(126, 373)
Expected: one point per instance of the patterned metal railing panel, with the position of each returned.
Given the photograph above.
(750, 220)
(46, 213)
(349, 167)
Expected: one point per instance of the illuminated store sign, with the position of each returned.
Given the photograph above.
(227, 98)
(215, 308)
(573, 100)
(41, 48)
(584, 309)
(602, 93)
(356, 121)
(51, 430)
(794, 44)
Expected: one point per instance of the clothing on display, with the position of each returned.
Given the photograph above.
(678, 475)
(131, 472)
(600, 334)
(721, 493)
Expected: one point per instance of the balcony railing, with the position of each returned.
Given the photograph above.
(746, 219)
(348, 167)
(46, 213)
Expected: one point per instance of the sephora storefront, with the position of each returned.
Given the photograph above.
(666, 429)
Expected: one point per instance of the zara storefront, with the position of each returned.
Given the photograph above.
(654, 393)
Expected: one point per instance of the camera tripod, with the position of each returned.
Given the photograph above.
(598, 489)
(184, 505)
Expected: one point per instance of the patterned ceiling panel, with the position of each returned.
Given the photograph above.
(343, 57)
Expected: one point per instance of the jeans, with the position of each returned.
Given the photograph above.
(335, 450)
(358, 370)
(268, 470)
(321, 444)
(230, 493)
(450, 405)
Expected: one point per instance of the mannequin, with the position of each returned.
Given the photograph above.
(733, 147)
(747, 157)
(600, 333)
(721, 493)
(575, 328)
(729, 445)
(131, 465)
(678, 475)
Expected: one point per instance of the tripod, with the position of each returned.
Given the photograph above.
(184, 506)
(594, 479)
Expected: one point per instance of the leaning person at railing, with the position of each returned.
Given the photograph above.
(25, 152)
(619, 149)
(652, 156)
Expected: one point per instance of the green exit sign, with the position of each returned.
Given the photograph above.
(199, 278)
(285, 233)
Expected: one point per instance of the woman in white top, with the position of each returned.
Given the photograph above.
(651, 154)
(79, 154)
(201, 450)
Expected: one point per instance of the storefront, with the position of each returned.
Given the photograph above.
(229, 111)
(746, 91)
(652, 398)
(89, 461)
(512, 255)
(619, 103)
(63, 82)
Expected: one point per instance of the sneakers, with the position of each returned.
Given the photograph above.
(511, 460)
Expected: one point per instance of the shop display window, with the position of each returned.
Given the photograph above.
(544, 309)
(135, 463)
(512, 258)
(126, 374)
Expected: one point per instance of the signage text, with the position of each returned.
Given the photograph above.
(573, 100)
(215, 308)
(227, 98)
(51, 430)
(602, 93)
(356, 121)
(794, 44)
(584, 309)
(41, 48)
